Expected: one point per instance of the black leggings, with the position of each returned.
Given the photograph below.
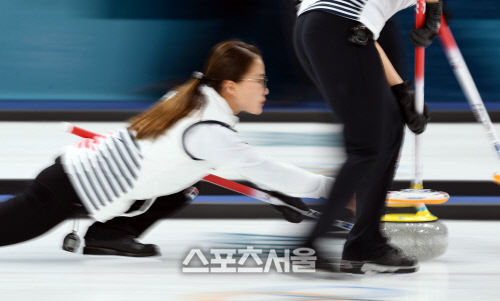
(136, 226)
(352, 79)
(48, 200)
(51, 199)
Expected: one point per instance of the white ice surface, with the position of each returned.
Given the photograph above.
(450, 151)
(40, 270)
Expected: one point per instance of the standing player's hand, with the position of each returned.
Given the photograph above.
(406, 99)
(423, 37)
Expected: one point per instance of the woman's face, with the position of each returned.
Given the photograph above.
(250, 90)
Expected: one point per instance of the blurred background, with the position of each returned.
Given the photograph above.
(103, 61)
(91, 54)
(96, 63)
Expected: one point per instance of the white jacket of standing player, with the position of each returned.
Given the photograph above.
(372, 13)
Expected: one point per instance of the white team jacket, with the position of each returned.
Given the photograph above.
(145, 169)
(372, 13)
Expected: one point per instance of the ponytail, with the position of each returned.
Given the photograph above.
(154, 122)
(227, 61)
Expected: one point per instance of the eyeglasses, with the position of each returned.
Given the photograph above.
(262, 80)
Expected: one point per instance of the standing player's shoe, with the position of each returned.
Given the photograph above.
(394, 261)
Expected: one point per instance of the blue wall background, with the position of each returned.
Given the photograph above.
(134, 51)
(476, 27)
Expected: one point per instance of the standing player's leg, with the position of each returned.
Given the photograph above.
(352, 79)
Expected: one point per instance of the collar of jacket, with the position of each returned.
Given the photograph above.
(217, 108)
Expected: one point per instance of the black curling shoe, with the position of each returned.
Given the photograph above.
(124, 246)
(394, 261)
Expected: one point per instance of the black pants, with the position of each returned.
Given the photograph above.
(48, 200)
(352, 79)
(119, 227)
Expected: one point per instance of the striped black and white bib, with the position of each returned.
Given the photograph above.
(103, 169)
(350, 9)
(372, 13)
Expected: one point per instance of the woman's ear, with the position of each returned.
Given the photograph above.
(229, 87)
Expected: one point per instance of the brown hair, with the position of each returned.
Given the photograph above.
(226, 61)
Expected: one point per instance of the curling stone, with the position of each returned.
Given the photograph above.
(418, 234)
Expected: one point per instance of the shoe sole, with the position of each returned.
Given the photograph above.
(104, 251)
(359, 267)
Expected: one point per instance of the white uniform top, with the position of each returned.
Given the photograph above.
(110, 173)
(371, 13)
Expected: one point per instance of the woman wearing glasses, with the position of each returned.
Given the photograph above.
(165, 150)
